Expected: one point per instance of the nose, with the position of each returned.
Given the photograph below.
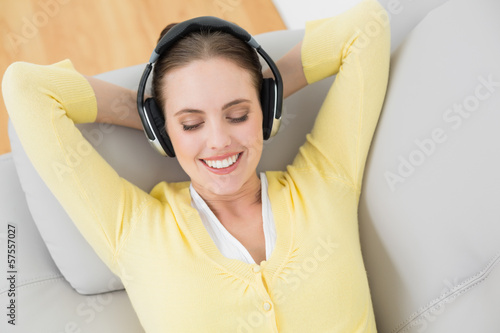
(218, 135)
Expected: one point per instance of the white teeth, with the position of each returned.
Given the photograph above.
(219, 164)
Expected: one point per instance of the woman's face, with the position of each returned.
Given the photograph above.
(214, 120)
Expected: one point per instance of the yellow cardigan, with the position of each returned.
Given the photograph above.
(177, 280)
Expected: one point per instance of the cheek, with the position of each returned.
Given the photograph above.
(252, 135)
(185, 145)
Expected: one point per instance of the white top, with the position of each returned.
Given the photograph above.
(227, 244)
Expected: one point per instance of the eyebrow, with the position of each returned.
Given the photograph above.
(226, 106)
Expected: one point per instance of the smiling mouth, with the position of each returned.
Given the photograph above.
(222, 164)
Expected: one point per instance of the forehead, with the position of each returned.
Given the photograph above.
(207, 84)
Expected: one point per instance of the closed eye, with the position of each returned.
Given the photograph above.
(191, 127)
(239, 120)
(232, 120)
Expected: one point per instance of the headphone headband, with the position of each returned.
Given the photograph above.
(182, 29)
(151, 113)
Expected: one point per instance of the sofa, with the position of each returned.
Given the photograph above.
(429, 212)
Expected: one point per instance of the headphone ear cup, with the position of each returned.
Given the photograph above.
(267, 99)
(155, 113)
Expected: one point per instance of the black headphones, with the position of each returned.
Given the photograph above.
(153, 121)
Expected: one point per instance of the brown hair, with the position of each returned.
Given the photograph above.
(204, 45)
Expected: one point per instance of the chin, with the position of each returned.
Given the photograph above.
(224, 185)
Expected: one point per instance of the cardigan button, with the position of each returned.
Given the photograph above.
(256, 268)
(267, 306)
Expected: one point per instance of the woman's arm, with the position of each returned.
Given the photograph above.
(115, 105)
(354, 45)
(292, 73)
(44, 104)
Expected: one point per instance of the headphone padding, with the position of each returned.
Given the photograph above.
(156, 115)
(267, 103)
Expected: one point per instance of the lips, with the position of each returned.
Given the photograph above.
(219, 164)
(222, 163)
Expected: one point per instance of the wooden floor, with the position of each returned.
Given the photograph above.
(103, 35)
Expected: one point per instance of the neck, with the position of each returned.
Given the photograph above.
(236, 204)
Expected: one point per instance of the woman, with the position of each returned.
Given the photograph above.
(178, 274)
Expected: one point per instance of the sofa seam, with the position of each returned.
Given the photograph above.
(445, 298)
(34, 281)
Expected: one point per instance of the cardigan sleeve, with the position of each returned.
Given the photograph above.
(355, 45)
(44, 103)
